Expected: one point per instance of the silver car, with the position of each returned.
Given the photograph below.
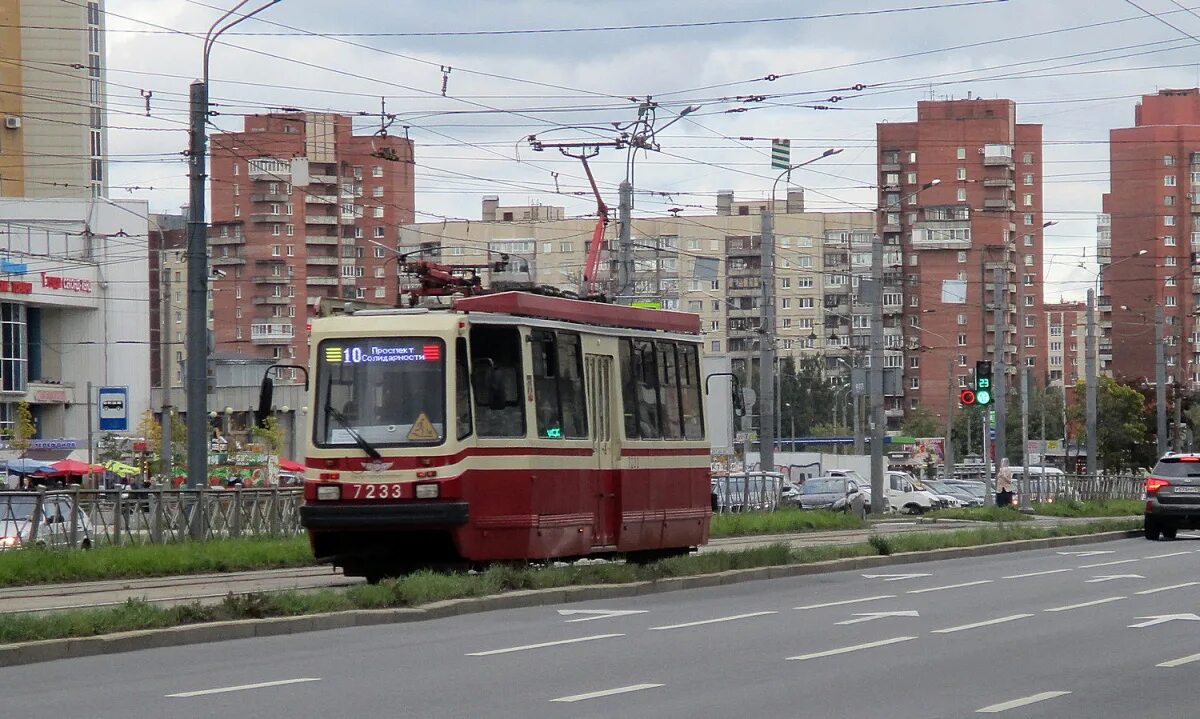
(52, 527)
(838, 494)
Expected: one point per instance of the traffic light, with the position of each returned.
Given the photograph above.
(966, 397)
(983, 383)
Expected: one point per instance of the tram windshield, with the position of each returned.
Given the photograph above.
(391, 391)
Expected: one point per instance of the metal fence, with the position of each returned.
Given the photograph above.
(749, 492)
(1081, 487)
(82, 518)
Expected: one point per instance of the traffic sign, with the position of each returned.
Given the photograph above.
(113, 409)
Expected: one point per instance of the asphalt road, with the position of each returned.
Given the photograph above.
(1079, 632)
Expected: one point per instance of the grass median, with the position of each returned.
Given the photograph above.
(424, 587)
(784, 521)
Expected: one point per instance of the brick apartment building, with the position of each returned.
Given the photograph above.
(985, 213)
(1154, 176)
(302, 209)
(1066, 342)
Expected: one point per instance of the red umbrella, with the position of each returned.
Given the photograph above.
(288, 465)
(71, 466)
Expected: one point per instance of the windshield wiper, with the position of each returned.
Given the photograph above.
(363, 444)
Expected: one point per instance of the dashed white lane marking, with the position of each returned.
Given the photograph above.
(1156, 590)
(1081, 605)
(1108, 564)
(1180, 661)
(1171, 554)
(1023, 701)
(606, 692)
(950, 586)
(242, 687)
(1038, 574)
(733, 618)
(847, 601)
(508, 650)
(847, 650)
(976, 625)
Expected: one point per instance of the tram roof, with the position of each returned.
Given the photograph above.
(526, 304)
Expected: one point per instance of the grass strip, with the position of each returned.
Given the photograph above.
(744, 524)
(981, 514)
(46, 566)
(424, 587)
(1091, 508)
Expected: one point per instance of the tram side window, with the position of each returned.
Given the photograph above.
(558, 385)
(630, 372)
(496, 378)
(668, 391)
(689, 391)
(645, 376)
(462, 388)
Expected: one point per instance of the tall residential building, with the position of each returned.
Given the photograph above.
(302, 210)
(168, 301)
(52, 100)
(1154, 176)
(1066, 342)
(710, 265)
(984, 214)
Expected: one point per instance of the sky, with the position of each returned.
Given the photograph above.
(576, 70)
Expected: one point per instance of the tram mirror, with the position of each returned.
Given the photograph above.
(266, 392)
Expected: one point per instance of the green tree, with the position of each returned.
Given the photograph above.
(270, 436)
(922, 422)
(24, 430)
(807, 398)
(1123, 419)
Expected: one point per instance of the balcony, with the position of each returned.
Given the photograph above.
(331, 240)
(270, 261)
(270, 280)
(322, 281)
(893, 413)
(267, 333)
(273, 300)
(323, 179)
(226, 261)
(1000, 182)
(269, 168)
(217, 241)
(998, 155)
(269, 197)
(270, 217)
(989, 204)
(321, 220)
(892, 227)
(889, 167)
(321, 199)
(317, 260)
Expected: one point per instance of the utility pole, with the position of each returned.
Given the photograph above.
(766, 344)
(164, 356)
(625, 243)
(951, 401)
(90, 444)
(1090, 378)
(998, 369)
(197, 293)
(879, 502)
(856, 396)
(1160, 380)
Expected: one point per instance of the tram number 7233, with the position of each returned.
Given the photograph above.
(374, 490)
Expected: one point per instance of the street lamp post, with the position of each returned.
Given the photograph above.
(766, 345)
(197, 256)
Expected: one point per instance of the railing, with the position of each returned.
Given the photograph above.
(86, 518)
(1081, 487)
(753, 492)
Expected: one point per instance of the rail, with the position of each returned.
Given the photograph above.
(747, 492)
(1081, 487)
(85, 518)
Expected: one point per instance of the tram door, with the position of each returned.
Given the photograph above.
(600, 398)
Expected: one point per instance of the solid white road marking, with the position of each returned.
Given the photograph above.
(871, 616)
(1038, 574)
(976, 625)
(847, 650)
(508, 650)
(1092, 603)
(895, 577)
(1163, 619)
(733, 618)
(606, 693)
(1156, 590)
(950, 586)
(1024, 701)
(242, 687)
(1087, 554)
(1180, 661)
(1108, 564)
(847, 601)
(1111, 577)
(1171, 554)
(598, 613)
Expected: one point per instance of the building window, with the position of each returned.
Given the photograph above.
(14, 347)
(1028, 178)
(1029, 260)
(379, 232)
(1169, 240)
(1029, 280)
(787, 303)
(1168, 180)
(912, 260)
(1027, 199)
(237, 211)
(785, 283)
(1030, 341)
(1169, 160)
(960, 153)
(912, 178)
(962, 194)
(1028, 218)
(1171, 302)
(289, 209)
(914, 383)
(377, 171)
(1169, 220)
(962, 173)
(1168, 200)
(912, 157)
(276, 250)
(276, 230)
(1029, 320)
(1028, 240)
(914, 362)
(962, 340)
(805, 303)
(377, 212)
(962, 319)
(290, 230)
(380, 292)
(291, 250)
(962, 256)
(1027, 158)
(715, 346)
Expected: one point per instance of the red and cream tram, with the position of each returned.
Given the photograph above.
(510, 426)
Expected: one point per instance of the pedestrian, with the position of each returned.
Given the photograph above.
(1004, 484)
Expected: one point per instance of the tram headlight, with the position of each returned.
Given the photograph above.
(329, 492)
(427, 491)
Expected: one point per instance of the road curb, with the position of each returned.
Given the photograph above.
(56, 649)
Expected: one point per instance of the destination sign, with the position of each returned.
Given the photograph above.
(383, 352)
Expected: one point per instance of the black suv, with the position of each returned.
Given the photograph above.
(1173, 496)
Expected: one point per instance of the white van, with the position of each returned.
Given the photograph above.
(906, 495)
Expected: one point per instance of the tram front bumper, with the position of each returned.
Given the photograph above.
(367, 517)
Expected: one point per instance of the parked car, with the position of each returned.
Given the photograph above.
(790, 494)
(906, 495)
(978, 489)
(53, 528)
(839, 494)
(1172, 496)
(864, 484)
(955, 492)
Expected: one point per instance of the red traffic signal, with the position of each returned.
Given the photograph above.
(966, 396)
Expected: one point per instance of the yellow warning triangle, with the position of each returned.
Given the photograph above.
(422, 429)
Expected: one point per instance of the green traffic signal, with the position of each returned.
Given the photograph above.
(983, 396)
